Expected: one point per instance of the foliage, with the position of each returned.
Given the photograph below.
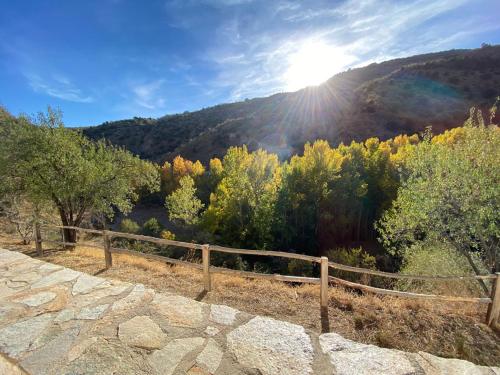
(182, 204)
(167, 235)
(48, 162)
(437, 258)
(297, 267)
(444, 188)
(307, 186)
(241, 209)
(129, 226)
(171, 174)
(331, 196)
(452, 194)
(152, 227)
(355, 257)
(227, 260)
(20, 214)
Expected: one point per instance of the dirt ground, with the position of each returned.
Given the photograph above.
(447, 330)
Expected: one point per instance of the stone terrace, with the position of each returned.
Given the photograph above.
(54, 320)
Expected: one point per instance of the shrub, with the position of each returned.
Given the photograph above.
(227, 260)
(152, 228)
(438, 258)
(299, 267)
(129, 226)
(167, 235)
(355, 257)
(261, 267)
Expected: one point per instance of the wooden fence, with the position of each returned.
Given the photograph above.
(493, 301)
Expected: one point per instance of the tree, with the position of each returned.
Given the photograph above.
(451, 195)
(182, 204)
(206, 183)
(180, 167)
(241, 209)
(348, 204)
(20, 213)
(304, 194)
(51, 163)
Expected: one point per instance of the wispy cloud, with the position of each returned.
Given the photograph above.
(57, 86)
(188, 54)
(253, 54)
(148, 95)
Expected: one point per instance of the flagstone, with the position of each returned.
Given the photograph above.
(209, 359)
(55, 278)
(17, 337)
(141, 332)
(92, 313)
(166, 360)
(37, 299)
(85, 283)
(180, 311)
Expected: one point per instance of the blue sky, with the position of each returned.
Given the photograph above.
(114, 59)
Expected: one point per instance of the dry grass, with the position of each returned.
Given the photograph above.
(449, 330)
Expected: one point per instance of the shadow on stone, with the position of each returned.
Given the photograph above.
(325, 320)
(200, 296)
(100, 271)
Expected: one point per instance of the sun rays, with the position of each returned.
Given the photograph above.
(313, 63)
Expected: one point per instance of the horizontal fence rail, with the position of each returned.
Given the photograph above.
(255, 275)
(398, 293)
(408, 277)
(493, 302)
(69, 244)
(268, 253)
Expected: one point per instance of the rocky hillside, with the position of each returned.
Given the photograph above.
(382, 100)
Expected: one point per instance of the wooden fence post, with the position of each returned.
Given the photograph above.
(38, 239)
(107, 246)
(324, 283)
(206, 267)
(494, 306)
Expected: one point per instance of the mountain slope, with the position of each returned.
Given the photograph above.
(397, 96)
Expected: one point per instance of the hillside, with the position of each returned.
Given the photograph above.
(383, 100)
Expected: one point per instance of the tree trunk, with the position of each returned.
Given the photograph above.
(69, 235)
(360, 216)
(476, 270)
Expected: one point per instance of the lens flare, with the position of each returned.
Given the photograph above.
(313, 63)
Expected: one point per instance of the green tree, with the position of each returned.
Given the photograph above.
(451, 195)
(304, 195)
(182, 204)
(51, 163)
(241, 209)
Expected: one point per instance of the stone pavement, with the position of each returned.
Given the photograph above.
(54, 320)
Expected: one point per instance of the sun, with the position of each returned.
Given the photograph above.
(313, 63)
